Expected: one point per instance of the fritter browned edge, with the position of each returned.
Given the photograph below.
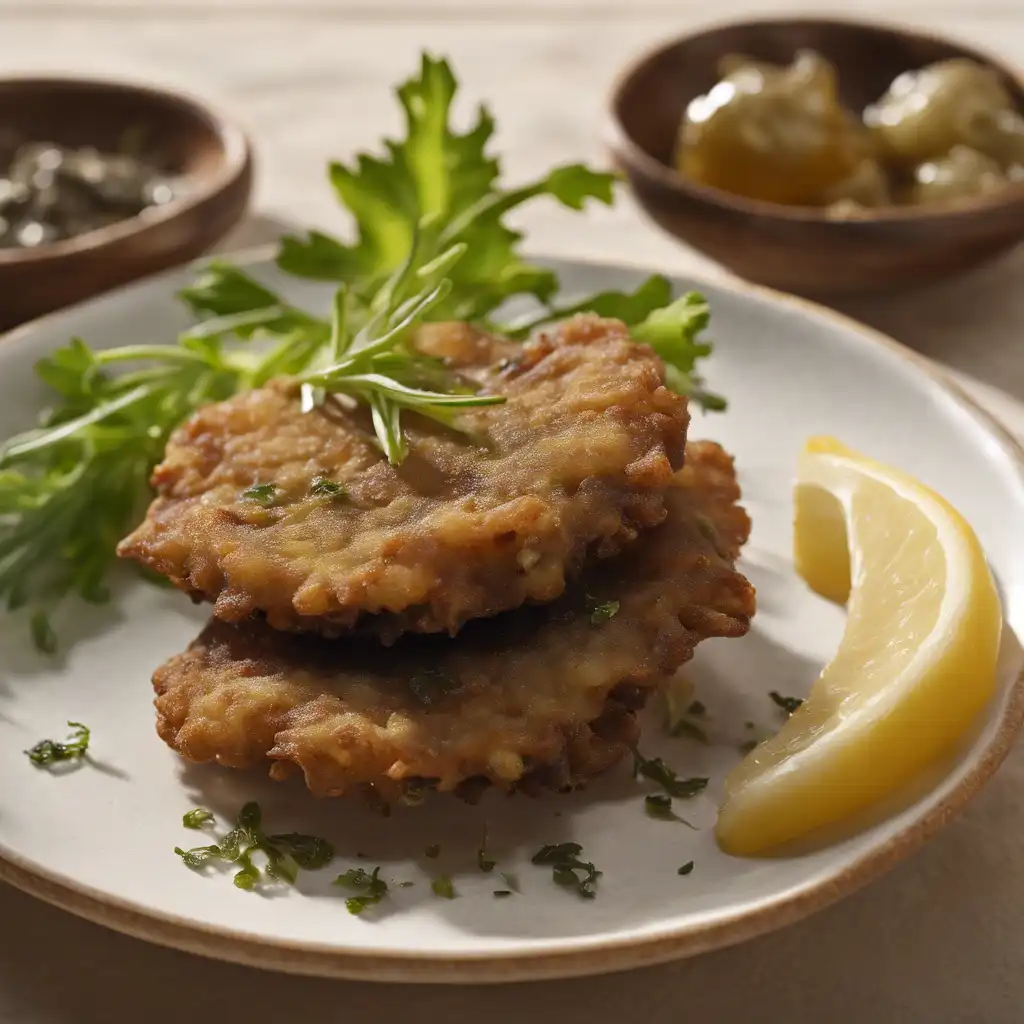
(586, 446)
(542, 698)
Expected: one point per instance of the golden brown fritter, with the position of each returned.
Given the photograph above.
(541, 693)
(574, 463)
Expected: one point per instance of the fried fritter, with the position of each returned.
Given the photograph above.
(538, 696)
(575, 463)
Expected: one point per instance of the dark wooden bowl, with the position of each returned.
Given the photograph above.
(800, 249)
(183, 135)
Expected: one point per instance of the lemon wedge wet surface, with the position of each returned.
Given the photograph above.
(916, 663)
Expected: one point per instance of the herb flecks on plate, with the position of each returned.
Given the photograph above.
(568, 869)
(282, 854)
(655, 770)
(371, 888)
(74, 748)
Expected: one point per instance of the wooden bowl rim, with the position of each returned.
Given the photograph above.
(634, 158)
(234, 163)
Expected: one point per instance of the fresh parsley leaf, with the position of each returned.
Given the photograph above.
(657, 805)
(442, 886)
(284, 853)
(672, 331)
(309, 852)
(443, 183)
(567, 869)
(370, 886)
(199, 856)
(601, 611)
(787, 704)
(196, 818)
(47, 752)
(686, 868)
(658, 772)
(324, 488)
(262, 494)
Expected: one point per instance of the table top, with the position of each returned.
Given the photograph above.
(937, 939)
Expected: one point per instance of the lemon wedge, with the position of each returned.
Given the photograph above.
(916, 663)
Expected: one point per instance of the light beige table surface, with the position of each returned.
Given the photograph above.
(942, 937)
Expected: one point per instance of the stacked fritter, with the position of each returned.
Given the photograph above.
(493, 611)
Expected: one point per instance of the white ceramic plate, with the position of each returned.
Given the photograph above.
(99, 842)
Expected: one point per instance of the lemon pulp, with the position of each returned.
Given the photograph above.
(916, 663)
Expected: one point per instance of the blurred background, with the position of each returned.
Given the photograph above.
(311, 80)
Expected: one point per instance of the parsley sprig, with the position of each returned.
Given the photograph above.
(283, 854)
(568, 869)
(48, 752)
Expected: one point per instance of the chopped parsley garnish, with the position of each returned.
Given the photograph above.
(196, 818)
(601, 611)
(657, 771)
(657, 805)
(324, 488)
(431, 686)
(567, 869)
(788, 704)
(484, 861)
(47, 752)
(262, 494)
(370, 886)
(686, 868)
(442, 886)
(433, 851)
(283, 854)
(310, 852)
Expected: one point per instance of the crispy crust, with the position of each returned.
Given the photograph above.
(539, 696)
(574, 464)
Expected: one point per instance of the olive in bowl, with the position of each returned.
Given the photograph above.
(823, 156)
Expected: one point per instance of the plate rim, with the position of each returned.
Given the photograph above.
(574, 959)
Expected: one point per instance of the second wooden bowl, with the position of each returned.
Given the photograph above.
(800, 249)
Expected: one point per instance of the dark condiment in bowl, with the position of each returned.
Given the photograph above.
(104, 182)
(49, 192)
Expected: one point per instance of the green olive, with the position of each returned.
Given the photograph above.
(772, 133)
(925, 113)
(866, 185)
(960, 174)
